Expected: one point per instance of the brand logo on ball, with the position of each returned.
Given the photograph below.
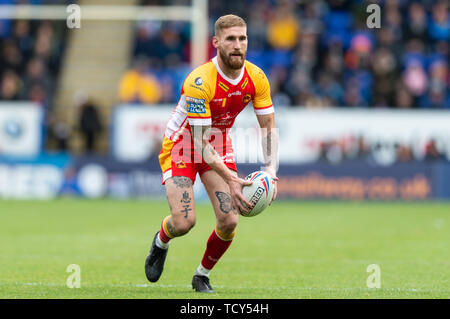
(257, 195)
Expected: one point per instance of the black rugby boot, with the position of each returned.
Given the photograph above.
(154, 264)
(201, 284)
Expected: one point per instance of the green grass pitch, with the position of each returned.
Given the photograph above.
(292, 250)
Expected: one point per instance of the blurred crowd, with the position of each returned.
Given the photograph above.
(29, 61)
(350, 148)
(315, 53)
(30, 57)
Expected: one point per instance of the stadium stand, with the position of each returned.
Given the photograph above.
(30, 59)
(326, 57)
(96, 58)
(321, 53)
(317, 55)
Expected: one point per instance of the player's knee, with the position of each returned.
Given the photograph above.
(184, 225)
(190, 223)
(185, 228)
(228, 226)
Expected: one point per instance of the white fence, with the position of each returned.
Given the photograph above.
(138, 131)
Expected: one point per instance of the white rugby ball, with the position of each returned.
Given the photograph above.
(260, 193)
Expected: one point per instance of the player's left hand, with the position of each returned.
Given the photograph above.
(272, 173)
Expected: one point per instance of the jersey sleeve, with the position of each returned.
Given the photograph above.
(197, 95)
(262, 102)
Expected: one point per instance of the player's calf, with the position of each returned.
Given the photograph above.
(182, 218)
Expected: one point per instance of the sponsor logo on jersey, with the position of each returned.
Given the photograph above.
(195, 105)
(196, 87)
(246, 98)
(224, 120)
(223, 86)
(234, 93)
(226, 116)
(198, 81)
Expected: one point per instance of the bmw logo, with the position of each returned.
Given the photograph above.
(199, 81)
(12, 128)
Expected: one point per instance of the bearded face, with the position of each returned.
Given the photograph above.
(234, 60)
(232, 47)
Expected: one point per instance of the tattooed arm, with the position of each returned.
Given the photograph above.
(201, 136)
(270, 146)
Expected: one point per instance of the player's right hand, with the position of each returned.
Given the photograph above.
(238, 199)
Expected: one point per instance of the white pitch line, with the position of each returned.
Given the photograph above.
(242, 288)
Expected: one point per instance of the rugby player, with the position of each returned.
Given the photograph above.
(196, 140)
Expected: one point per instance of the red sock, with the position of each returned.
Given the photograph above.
(215, 248)
(164, 234)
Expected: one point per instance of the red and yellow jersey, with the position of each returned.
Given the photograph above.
(210, 98)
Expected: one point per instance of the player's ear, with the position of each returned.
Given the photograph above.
(215, 41)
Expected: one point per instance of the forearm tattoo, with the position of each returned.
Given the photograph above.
(225, 202)
(270, 147)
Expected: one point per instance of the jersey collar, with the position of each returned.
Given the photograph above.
(231, 81)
